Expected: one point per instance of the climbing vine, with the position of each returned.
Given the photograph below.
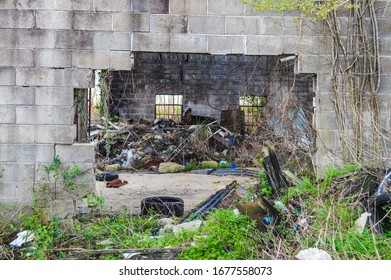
(355, 68)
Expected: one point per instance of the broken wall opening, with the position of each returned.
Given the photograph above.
(258, 95)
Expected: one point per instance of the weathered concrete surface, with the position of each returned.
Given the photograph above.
(192, 188)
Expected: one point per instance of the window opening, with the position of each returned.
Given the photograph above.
(252, 107)
(169, 107)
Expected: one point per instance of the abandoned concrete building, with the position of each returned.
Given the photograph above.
(205, 56)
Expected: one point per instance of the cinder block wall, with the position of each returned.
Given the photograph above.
(48, 48)
(209, 84)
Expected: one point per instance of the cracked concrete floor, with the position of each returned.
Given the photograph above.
(192, 188)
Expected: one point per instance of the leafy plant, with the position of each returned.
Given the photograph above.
(225, 236)
(47, 234)
(95, 200)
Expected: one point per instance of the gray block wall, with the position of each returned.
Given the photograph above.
(209, 84)
(48, 48)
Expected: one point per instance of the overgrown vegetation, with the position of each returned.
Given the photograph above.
(320, 217)
(355, 73)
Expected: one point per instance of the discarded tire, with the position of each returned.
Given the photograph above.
(163, 205)
(106, 176)
(379, 210)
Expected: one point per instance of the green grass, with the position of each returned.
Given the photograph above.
(327, 221)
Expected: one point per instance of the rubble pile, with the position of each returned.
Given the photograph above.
(143, 146)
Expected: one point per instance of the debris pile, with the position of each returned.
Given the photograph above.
(140, 145)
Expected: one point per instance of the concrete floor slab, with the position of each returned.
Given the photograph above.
(192, 188)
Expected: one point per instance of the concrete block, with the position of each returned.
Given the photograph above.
(121, 60)
(16, 19)
(45, 115)
(7, 191)
(78, 78)
(188, 7)
(76, 153)
(17, 134)
(54, 20)
(235, 25)
(385, 65)
(312, 64)
(151, 6)
(57, 134)
(115, 41)
(76, 40)
(42, 178)
(16, 58)
(24, 192)
(26, 153)
(18, 172)
(325, 101)
(226, 7)
(206, 25)
(382, 9)
(16, 96)
(7, 152)
(63, 209)
(36, 38)
(7, 115)
(227, 44)
(184, 43)
(326, 158)
(7, 4)
(328, 138)
(54, 96)
(9, 38)
(278, 26)
(326, 120)
(53, 58)
(264, 45)
(7, 76)
(74, 5)
(385, 84)
(91, 59)
(324, 83)
(35, 5)
(151, 42)
(113, 6)
(81, 191)
(95, 21)
(130, 22)
(168, 24)
(45, 189)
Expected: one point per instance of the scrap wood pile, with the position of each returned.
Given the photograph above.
(141, 145)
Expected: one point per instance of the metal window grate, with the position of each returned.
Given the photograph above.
(252, 107)
(169, 107)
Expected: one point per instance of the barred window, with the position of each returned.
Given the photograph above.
(252, 107)
(169, 107)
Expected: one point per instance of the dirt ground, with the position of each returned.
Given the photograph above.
(192, 188)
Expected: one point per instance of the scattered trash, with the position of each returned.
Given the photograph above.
(262, 212)
(116, 183)
(165, 221)
(384, 185)
(273, 170)
(138, 145)
(106, 176)
(163, 205)
(313, 254)
(362, 222)
(170, 167)
(22, 238)
(189, 226)
(209, 204)
(113, 167)
(133, 256)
